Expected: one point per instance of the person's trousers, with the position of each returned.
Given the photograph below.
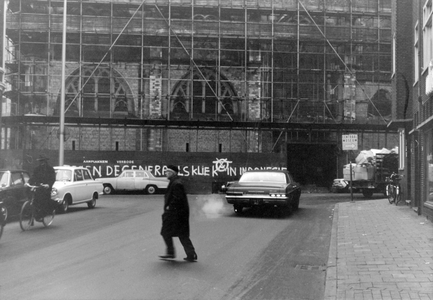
(184, 240)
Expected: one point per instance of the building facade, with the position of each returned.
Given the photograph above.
(280, 77)
(416, 47)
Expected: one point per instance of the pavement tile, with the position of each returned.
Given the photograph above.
(379, 251)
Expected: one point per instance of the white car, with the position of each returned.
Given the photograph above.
(134, 180)
(75, 185)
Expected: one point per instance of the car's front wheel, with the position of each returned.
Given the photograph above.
(92, 203)
(295, 204)
(3, 215)
(108, 189)
(64, 206)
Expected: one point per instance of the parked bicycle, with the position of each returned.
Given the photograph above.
(31, 212)
(3, 217)
(393, 188)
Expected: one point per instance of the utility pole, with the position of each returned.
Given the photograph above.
(62, 96)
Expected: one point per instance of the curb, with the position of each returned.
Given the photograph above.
(331, 269)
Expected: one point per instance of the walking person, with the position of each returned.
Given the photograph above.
(175, 219)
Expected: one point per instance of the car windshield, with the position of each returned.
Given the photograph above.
(4, 179)
(63, 175)
(263, 177)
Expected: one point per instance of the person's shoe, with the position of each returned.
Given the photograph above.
(191, 258)
(168, 256)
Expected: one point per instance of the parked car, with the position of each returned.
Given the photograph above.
(134, 180)
(75, 185)
(273, 188)
(13, 192)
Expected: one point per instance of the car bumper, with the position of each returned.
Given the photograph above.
(258, 200)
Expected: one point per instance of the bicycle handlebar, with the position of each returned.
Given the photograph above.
(34, 187)
(395, 177)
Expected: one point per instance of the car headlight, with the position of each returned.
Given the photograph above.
(54, 192)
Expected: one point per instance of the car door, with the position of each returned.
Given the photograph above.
(89, 184)
(17, 182)
(141, 180)
(79, 186)
(126, 181)
(15, 193)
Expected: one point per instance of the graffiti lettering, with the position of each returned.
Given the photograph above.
(219, 167)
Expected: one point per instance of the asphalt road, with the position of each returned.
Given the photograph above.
(111, 252)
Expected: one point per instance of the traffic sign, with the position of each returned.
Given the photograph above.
(350, 141)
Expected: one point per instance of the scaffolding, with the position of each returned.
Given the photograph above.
(272, 61)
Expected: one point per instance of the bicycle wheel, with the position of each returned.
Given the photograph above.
(397, 194)
(390, 193)
(3, 216)
(26, 216)
(49, 217)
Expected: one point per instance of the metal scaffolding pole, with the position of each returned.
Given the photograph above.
(62, 95)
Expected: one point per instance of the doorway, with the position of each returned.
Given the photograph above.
(312, 164)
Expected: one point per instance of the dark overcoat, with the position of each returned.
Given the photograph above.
(175, 219)
(43, 174)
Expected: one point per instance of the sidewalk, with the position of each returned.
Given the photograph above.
(379, 251)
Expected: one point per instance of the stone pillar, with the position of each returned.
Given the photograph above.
(155, 91)
(253, 141)
(155, 105)
(254, 92)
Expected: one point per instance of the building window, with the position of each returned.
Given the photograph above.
(416, 56)
(203, 95)
(427, 34)
(101, 93)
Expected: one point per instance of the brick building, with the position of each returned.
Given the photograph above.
(413, 99)
(194, 82)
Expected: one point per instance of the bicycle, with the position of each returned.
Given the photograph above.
(31, 212)
(3, 217)
(393, 188)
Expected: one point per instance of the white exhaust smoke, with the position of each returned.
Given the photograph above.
(212, 205)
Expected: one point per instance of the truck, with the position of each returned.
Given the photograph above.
(372, 174)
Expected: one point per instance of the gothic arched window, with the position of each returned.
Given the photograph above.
(103, 94)
(205, 98)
